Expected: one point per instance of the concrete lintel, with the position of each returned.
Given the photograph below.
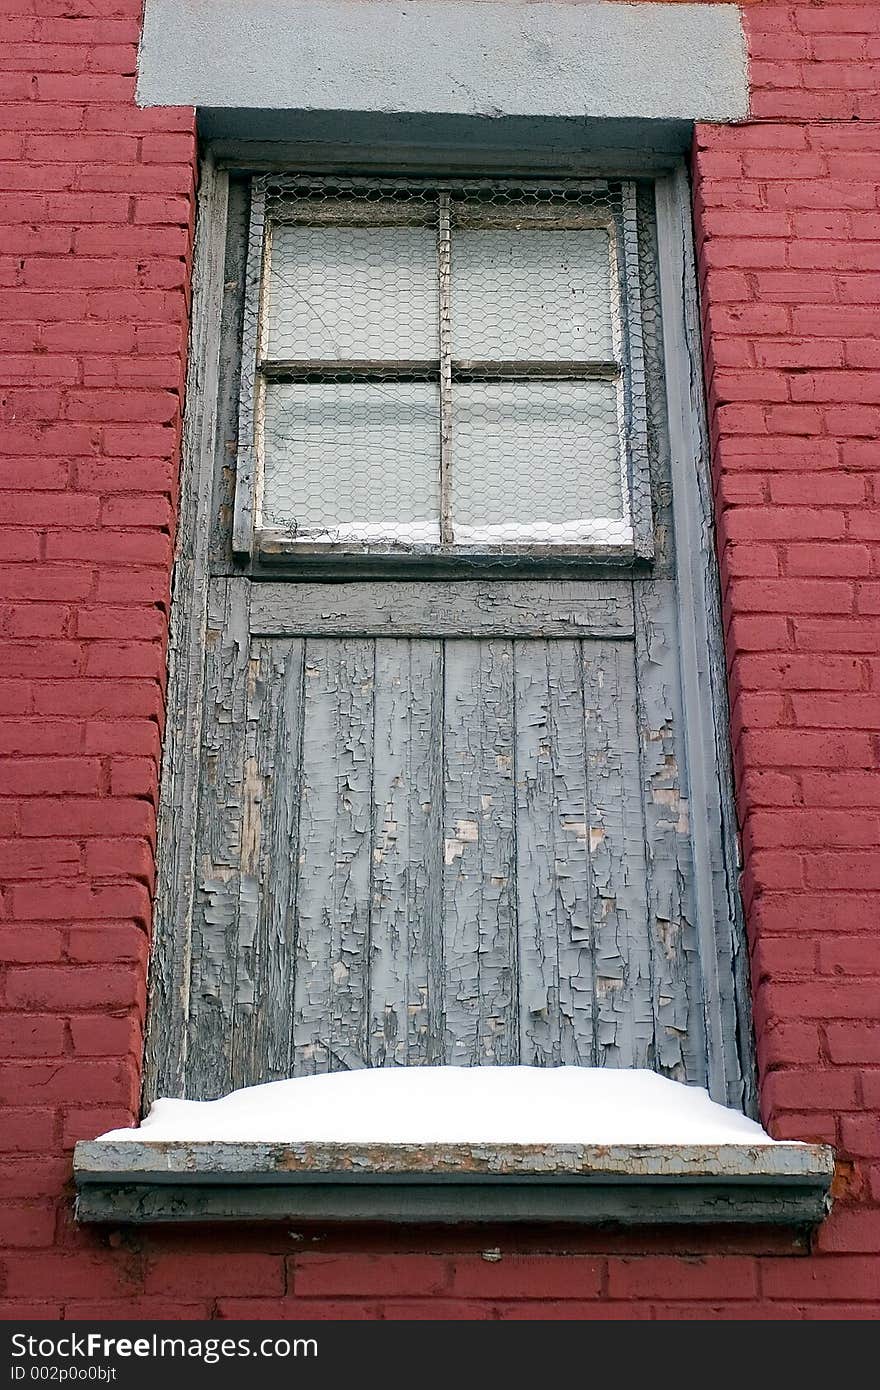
(496, 58)
(780, 1184)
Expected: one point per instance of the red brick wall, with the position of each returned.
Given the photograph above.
(96, 202)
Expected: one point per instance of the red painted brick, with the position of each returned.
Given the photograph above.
(371, 1275)
(192, 1275)
(518, 1277)
(710, 1277)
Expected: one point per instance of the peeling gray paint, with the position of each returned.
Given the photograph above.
(491, 58)
(618, 1185)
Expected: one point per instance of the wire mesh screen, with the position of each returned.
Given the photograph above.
(445, 365)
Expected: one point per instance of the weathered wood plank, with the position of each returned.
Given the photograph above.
(679, 1041)
(622, 970)
(706, 722)
(407, 875)
(220, 824)
(333, 901)
(479, 855)
(527, 608)
(264, 992)
(552, 857)
(165, 1058)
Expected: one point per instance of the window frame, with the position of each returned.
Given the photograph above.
(785, 1184)
(705, 721)
(276, 546)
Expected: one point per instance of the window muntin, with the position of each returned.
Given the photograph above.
(443, 368)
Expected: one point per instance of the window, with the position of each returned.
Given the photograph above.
(446, 775)
(413, 350)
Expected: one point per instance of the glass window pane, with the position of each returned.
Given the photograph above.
(368, 293)
(532, 294)
(537, 462)
(353, 462)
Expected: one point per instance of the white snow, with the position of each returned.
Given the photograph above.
(437, 1105)
(377, 532)
(598, 530)
(595, 530)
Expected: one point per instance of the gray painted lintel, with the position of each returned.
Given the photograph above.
(625, 1185)
(395, 141)
(472, 57)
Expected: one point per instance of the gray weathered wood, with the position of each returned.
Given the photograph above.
(679, 1045)
(526, 608)
(406, 994)
(169, 985)
(479, 922)
(221, 808)
(624, 1018)
(264, 995)
(705, 716)
(333, 905)
(552, 857)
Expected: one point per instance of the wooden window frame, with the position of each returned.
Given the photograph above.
(705, 719)
(274, 202)
(146, 1182)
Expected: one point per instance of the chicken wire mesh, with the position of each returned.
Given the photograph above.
(445, 365)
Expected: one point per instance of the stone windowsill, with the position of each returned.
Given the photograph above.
(626, 1185)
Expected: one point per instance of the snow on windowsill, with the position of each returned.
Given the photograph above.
(456, 1105)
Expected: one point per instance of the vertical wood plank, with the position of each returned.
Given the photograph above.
(264, 992)
(406, 941)
(177, 845)
(220, 818)
(622, 980)
(680, 1041)
(333, 907)
(479, 855)
(552, 858)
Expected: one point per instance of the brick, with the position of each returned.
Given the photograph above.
(842, 1278)
(792, 596)
(810, 1090)
(27, 1225)
(26, 1129)
(707, 1277)
(27, 943)
(106, 1035)
(843, 789)
(854, 1042)
(56, 902)
(31, 1035)
(522, 1277)
(372, 1275)
(299, 1309)
(51, 776)
(87, 816)
(72, 987)
(192, 1275)
(113, 1274)
(54, 1082)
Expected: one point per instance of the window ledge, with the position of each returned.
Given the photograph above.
(781, 1184)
